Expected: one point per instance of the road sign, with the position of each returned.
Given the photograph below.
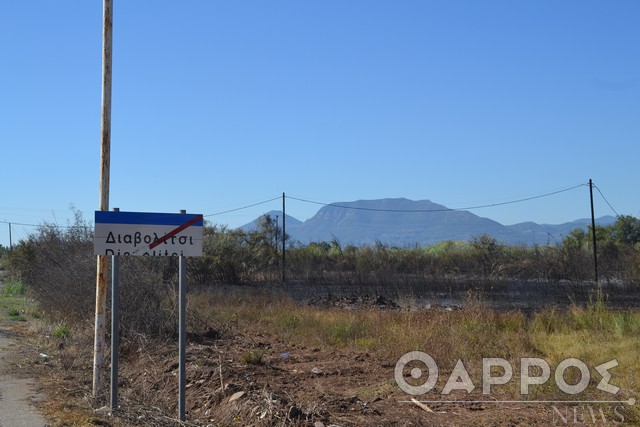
(147, 234)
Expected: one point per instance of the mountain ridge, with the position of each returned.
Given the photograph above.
(402, 222)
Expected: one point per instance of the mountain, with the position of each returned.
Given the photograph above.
(404, 222)
(289, 221)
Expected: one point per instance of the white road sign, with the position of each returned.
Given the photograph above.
(147, 234)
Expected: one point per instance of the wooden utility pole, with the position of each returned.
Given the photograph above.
(105, 154)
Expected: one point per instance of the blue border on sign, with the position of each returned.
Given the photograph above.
(147, 218)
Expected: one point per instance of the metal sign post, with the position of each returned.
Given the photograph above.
(182, 338)
(182, 335)
(115, 328)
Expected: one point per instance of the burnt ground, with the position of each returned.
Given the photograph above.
(282, 385)
(300, 385)
(257, 380)
(251, 379)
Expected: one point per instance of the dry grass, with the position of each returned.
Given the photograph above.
(593, 334)
(445, 334)
(246, 334)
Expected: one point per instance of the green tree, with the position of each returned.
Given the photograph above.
(626, 229)
(225, 256)
(576, 240)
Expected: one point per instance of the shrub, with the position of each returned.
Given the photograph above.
(62, 331)
(13, 288)
(13, 312)
(148, 296)
(58, 267)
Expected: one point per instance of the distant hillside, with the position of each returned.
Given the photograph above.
(290, 221)
(402, 222)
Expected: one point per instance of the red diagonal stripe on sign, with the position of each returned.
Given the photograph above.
(176, 231)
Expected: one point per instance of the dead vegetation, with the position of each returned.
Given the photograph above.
(274, 363)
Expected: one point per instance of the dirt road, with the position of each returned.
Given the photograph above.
(17, 394)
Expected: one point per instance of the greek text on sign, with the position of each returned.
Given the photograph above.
(147, 234)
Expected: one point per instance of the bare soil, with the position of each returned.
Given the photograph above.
(299, 385)
(282, 384)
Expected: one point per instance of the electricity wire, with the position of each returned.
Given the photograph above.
(46, 224)
(440, 209)
(213, 214)
(241, 208)
(618, 216)
(607, 202)
(18, 223)
(335, 205)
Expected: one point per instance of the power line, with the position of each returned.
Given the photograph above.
(468, 208)
(620, 217)
(243, 207)
(46, 224)
(438, 210)
(213, 214)
(18, 223)
(607, 202)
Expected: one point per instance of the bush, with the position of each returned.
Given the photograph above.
(148, 296)
(13, 288)
(62, 331)
(58, 268)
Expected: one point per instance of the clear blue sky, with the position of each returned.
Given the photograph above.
(219, 105)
